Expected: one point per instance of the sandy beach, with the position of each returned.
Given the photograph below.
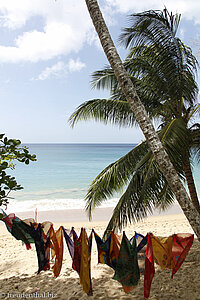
(18, 267)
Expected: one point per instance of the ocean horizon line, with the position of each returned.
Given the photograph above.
(78, 143)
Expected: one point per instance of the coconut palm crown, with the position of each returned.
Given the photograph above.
(163, 71)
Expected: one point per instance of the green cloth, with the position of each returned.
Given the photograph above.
(127, 270)
(21, 231)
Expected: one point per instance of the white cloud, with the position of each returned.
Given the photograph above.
(60, 69)
(62, 34)
(67, 25)
(75, 65)
(55, 71)
(188, 9)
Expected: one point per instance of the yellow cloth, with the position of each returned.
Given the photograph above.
(56, 239)
(162, 251)
(85, 278)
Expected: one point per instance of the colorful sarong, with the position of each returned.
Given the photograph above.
(103, 249)
(108, 251)
(180, 248)
(149, 268)
(141, 242)
(69, 242)
(76, 263)
(19, 229)
(56, 239)
(85, 271)
(114, 248)
(127, 270)
(42, 245)
(162, 251)
(82, 258)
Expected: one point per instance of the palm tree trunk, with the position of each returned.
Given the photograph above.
(142, 117)
(190, 183)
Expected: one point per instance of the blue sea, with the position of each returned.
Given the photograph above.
(60, 177)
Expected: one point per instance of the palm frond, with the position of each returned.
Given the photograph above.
(150, 27)
(116, 112)
(114, 177)
(104, 79)
(146, 191)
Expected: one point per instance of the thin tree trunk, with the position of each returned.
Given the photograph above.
(190, 183)
(142, 117)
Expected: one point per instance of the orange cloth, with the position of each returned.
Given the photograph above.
(56, 239)
(85, 276)
(115, 244)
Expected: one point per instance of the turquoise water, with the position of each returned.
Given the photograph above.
(62, 173)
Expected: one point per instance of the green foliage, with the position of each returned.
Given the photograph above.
(11, 150)
(163, 71)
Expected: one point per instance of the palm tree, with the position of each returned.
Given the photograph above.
(142, 118)
(160, 103)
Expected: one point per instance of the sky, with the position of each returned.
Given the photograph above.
(48, 51)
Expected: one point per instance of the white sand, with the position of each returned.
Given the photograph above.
(18, 267)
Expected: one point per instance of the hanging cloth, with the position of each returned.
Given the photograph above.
(8, 220)
(115, 244)
(149, 268)
(56, 238)
(162, 251)
(82, 258)
(42, 245)
(141, 242)
(108, 251)
(127, 270)
(76, 263)
(103, 249)
(19, 229)
(69, 242)
(182, 243)
(85, 267)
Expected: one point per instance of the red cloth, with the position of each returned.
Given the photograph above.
(180, 248)
(8, 220)
(149, 268)
(76, 264)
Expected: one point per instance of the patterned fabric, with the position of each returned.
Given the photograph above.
(8, 220)
(162, 251)
(127, 270)
(108, 251)
(18, 229)
(82, 259)
(56, 239)
(141, 242)
(42, 245)
(76, 263)
(85, 271)
(114, 249)
(103, 249)
(21, 231)
(149, 268)
(69, 242)
(180, 248)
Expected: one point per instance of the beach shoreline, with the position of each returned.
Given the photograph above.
(76, 215)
